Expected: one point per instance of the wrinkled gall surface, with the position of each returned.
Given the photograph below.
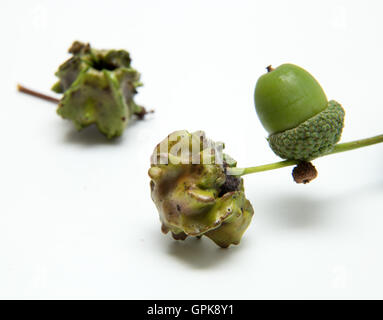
(192, 192)
(98, 87)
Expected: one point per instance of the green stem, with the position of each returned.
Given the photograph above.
(347, 146)
(340, 147)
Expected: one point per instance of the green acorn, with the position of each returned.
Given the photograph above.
(99, 88)
(194, 194)
(293, 108)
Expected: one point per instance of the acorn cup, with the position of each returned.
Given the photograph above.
(194, 194)
(293, 108)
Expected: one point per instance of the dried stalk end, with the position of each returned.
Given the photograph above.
(304, 172)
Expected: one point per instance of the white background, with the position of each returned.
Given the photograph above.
(76, 218)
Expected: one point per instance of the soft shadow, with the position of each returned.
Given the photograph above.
(202, 253)
(89, 136)
(295, 211)
(92, 136)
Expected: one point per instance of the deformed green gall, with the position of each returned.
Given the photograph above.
(98, 88)
(193, 193)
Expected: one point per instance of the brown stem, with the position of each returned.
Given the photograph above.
(37, 94)
(143, 113)
(269, 68)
